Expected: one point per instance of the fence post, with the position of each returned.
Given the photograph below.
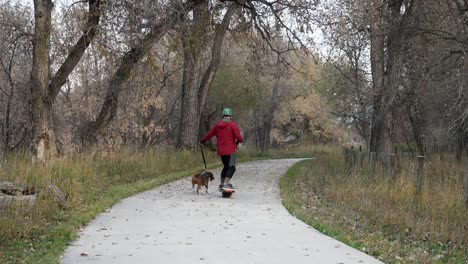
(466, 186)
(420, 174)
(373, 162)
(353, 157)
(346, 156)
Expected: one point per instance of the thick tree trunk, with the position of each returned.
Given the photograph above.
(189, 109)
(41, 103)
(378, 77)
(194, 93)
(387, 38)
(43, 92)
(193, 42)
(87, 134)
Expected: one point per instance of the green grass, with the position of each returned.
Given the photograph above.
(382, 217)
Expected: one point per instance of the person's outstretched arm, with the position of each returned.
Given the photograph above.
(209, 135)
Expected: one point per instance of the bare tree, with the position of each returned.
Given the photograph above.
(88, 133)
(348, 87)
(267, 19)
(388, 40)
(194, 89)
(42, 113)
(44, 89)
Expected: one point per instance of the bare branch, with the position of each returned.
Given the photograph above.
(90, 31)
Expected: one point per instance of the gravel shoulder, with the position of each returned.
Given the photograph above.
(172, 224)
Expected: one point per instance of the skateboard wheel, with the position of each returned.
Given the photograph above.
(226, 194)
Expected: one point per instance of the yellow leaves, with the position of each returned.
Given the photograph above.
(308, 72)
(308, 106)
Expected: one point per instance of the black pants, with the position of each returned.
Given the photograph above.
(229, 166)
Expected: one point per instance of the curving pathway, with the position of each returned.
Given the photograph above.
(171, 224)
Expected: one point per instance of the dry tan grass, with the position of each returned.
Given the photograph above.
(84, 178)
(436, 218)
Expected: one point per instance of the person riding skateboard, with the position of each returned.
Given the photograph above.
(227, 137)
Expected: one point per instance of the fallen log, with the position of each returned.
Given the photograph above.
(27, 201)
(15, 189)
(15, 194)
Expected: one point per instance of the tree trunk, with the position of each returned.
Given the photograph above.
(268, 121)
(189, 109)
(387, 38)
(88, 133)
(41, 103)
(43, 92)
(194, 93)
(378, 71)
(7, 128)
(7, 133)
(210, 73)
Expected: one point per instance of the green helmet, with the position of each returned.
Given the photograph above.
(227, 112)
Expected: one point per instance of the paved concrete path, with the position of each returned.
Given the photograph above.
(171, 224)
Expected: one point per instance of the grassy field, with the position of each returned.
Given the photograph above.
(383, 216)
(93, 184)
(377, 215)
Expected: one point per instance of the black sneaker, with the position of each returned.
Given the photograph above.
(221, 187)
(228, 186)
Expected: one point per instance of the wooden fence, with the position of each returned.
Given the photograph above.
(355, 162)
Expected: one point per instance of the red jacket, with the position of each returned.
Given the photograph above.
(226, 135)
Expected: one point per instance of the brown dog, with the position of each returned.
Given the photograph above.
(202, 179)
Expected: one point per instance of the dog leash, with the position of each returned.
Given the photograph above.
(203, 155)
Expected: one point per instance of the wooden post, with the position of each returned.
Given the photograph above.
(373, 162)
(346, 156)
(466, 186)
(420, 175)
(360, 161)
(353, 157)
